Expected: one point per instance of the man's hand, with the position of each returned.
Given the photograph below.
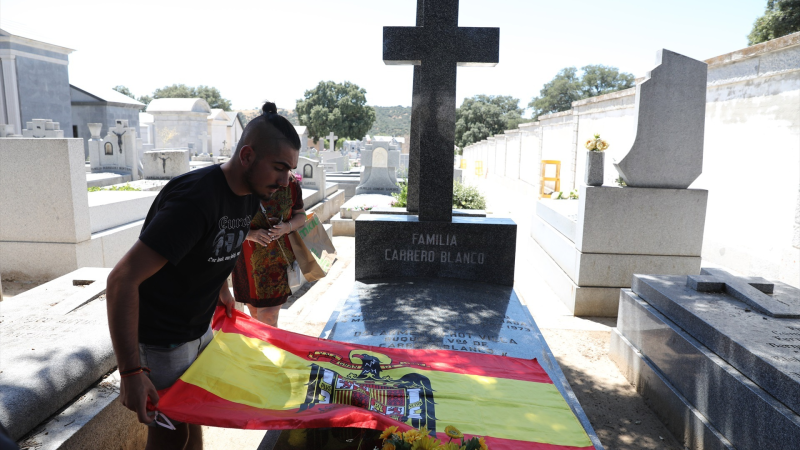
(226, 299)
(134, 391)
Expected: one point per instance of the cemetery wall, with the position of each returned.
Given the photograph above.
(44, 91)
(751, 155)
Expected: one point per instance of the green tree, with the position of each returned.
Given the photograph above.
(146, 99)
(341, 108)
(486, 115)
(124, 91)
(567, 87)
(781, 17)
(207, 93)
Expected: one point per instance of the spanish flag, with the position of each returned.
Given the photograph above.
(253, 376)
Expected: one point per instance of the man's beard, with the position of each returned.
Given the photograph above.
(248, 180)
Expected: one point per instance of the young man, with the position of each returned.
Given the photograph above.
(162, 294)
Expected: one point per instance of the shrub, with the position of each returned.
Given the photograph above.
(401, 198)
(467, 197)
(127, 187)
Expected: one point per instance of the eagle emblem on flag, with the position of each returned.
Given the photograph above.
(407, 399)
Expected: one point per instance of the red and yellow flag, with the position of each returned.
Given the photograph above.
(253, 376)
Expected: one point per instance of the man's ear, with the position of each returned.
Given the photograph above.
(247, 156)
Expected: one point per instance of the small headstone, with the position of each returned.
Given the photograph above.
(313, 174)
(118, 151)
(204, 144)
(670, 123)
(165, 164)
(42, 128)
(378, 177)
(332, 141)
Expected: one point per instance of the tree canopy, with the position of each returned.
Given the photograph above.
(486, 115)
(207, 93)
(781, 17)
(567, 87)
(341, 108)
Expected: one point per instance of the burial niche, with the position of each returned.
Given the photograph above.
(109, 148)
(308, 171)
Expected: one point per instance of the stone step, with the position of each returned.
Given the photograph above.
(109, 209)
(343, 227)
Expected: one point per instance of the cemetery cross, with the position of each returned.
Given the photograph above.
(119, 127)
(438, 47)
(332, 140)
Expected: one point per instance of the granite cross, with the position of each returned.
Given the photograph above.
(438, 45)
(752, 291)
(332, 140)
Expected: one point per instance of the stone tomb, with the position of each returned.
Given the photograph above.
(56, 347)
(118, 151)
(43, 128)
(453, 315)
(165, 164)
(717, 371)
(656, 226)
(312, 172)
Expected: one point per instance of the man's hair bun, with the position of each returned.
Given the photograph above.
(269, 107)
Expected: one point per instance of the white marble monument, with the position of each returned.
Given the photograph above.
(118, 151)
(43, 128)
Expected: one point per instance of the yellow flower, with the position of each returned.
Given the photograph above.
(425, 443)
(602, 145)
(388, 432)
(590, 144)
(451, 446)
(483, 444)
(388, 446)
(453, 433)
(412, 436)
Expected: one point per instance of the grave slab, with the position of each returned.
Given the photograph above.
(471, 248)
(52, 353)
(765, 349)
(738, 408)
(165, 164)
(444, 314)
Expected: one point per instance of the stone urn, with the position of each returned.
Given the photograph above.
(94, 129)
(594, 168)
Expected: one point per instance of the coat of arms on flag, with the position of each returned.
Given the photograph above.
(408, 399)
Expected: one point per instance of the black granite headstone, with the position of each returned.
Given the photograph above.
(471, 248)
(438, 46)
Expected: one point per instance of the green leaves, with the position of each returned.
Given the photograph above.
(467, 197)
(780, 18)
(567, 87)
(341, 108)
(486, 115)
(207, 93)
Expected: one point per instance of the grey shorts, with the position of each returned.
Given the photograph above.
(168, 364)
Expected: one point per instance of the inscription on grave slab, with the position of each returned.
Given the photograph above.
(480, 249)
(465, 316)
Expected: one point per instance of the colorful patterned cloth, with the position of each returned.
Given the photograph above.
(259, 277)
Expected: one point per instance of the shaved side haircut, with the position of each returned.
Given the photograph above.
(262, 131)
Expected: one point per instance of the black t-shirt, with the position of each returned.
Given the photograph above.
(199, 225)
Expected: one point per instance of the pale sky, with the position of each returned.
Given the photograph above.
(253, 50)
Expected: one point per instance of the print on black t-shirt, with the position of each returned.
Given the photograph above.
(198, 224)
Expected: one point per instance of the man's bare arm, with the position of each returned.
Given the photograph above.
(122, 302)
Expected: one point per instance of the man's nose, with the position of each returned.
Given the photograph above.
(284, 179)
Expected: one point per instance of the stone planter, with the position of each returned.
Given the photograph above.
(594, 168)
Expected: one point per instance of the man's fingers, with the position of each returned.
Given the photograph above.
(153, 394)
(141, 411)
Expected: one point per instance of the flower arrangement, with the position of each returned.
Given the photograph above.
(297, 176)
(414, 439)
(596, 144)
